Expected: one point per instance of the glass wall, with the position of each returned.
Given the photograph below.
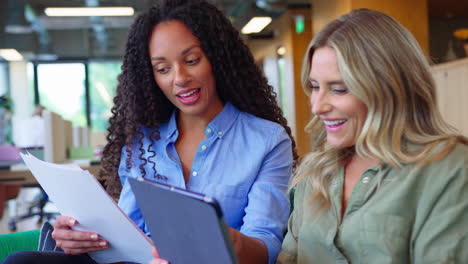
(31, 93)
(61, 88)
(282, 82)
(5, 106)
(3, 78)
(102, 86)
(73, 89)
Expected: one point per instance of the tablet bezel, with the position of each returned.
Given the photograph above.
(207, 200)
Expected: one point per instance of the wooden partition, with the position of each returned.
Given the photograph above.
(411, 14)
(55, 139)
(452, 90)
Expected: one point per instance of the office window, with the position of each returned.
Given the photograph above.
(5, 122)
(282, 82)
(31, 94)
(3, 78)
(61, 88)
(102, 87)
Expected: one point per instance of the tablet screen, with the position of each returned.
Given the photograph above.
(186, 227)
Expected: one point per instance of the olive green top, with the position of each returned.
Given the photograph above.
(416, 215)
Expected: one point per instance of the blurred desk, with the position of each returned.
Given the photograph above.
(12, 172)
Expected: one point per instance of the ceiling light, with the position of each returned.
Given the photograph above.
(11, 55)
(256, 24)
(89, 11)
(281, 51)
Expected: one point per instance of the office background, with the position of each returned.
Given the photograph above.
(70, 64)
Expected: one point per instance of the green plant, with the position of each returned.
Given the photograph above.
(5, 120)
(5, 103)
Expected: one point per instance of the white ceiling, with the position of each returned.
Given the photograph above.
(103, 37)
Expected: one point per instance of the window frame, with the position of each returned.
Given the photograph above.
(85, 62)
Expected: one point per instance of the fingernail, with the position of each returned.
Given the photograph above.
(72, 221)
(102, 244)
(94, 236)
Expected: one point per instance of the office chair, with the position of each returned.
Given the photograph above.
(37, 208)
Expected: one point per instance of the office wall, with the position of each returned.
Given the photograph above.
(324, 11)
(411, 14)
(452, 91)
(265, 51)
(296, 104)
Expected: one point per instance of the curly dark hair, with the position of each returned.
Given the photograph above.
(141, 103)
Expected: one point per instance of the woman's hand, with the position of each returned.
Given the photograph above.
(156, 259)
(75, 242)
(249, 250)
(236, 238)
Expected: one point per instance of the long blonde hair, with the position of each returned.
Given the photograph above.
(381, 64)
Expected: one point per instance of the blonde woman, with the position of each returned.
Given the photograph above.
(387, 178)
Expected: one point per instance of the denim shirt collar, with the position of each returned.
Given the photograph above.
(220, 124)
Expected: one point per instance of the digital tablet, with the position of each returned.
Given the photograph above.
(186, 227)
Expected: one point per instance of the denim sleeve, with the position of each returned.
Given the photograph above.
(127, 200)
(267, 212)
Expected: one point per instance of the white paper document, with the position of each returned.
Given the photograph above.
(78, 194)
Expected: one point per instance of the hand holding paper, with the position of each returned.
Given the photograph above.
(73, 241)
(78, 194)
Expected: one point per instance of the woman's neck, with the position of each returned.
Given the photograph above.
(195, 123)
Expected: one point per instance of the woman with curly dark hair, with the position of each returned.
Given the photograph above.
(194, 111)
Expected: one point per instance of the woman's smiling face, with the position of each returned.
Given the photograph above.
(342, 113)
(182, 70)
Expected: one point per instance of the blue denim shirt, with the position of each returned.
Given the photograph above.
(245, 162)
